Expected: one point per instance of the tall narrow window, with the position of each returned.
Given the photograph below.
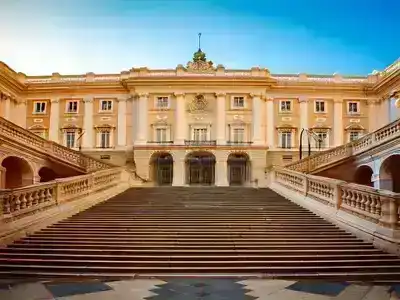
(238, 135)
(286, 140)
(105, 139)
(70, 139)
(161, 134)
(200, 134)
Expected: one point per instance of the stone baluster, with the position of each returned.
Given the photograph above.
(338, 122)
(256, 119)
(54, 127)
(180, 124)
(221, 118)
(270, 122)
(87, 138)
(142, 117)
(121, 140)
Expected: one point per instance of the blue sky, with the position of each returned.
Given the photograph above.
(287, 36)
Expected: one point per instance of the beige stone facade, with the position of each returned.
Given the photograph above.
(236, 122)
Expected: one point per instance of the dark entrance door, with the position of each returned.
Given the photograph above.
(200, 169)
(163, 169)
(238, 169)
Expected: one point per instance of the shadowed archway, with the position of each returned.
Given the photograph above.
(238, 169)
(389, 174)
(363, 175)
(161, 168)
(200, 168)
(18, 172)
(46, 174)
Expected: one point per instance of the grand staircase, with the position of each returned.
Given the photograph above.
(197, 231)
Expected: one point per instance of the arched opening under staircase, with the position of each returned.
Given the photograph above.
(389, 174)
(363, 175)
(18, 172)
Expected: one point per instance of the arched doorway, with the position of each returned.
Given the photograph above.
(389, 174)
(200, 168)
(47, 174)
(238, 168)
(162, 168)
(18, 172)
(363, 175)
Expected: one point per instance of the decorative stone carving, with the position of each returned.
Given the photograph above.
(198, 104)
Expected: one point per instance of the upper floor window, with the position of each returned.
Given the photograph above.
(161, 134)
(286, 139)
(39, 107)
(106, 105)
(200, 134)
(162, 102)
(320, 106)
(105, 139)
(70, 139)
(238, 102)
(353, 107)
(354, 135)
(285, 106)
(238, 135)
(72, 107)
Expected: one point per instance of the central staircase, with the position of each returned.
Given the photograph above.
(205, 231)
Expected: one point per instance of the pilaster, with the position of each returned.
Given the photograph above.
(372, 114)
(179, 172)
(142, 117)
(221, 118)
(221, 173)
(54, 128)
(7, 108)
(338, 121)
(270, 131)
(180, 124)
(121, 138)
(87, 138)
(256, 119)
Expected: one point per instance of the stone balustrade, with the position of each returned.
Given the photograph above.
(17, 203)
(325, 158)
(24, 138)
(371, 211)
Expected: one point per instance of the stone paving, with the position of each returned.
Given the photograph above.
(196, 288)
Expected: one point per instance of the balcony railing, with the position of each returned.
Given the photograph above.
(365, 143)
(160, 142)
(200, 143)
(238, 143)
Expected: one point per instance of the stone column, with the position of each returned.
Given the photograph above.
(270, 122)
(180, 124)
(87, 138)
(121, 139)
(256, 119)
(221, 173)
(21, 111)
(54, 128)
(338, 122)
(221, 118)
(304, 118)
(7, 108)
(179, 172)
(142, 117)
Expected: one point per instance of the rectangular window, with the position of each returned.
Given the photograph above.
(72, 106)
(161, 134)
(354, 135)
(286, 140)
(286, 106)
(105, 139)
(238, 102)
(319, 106)
(162, 102)
(39, 107)
(238, 135)
(353, 108)
(106, 105)
(70, 139)
(200, 134)
(321, 140)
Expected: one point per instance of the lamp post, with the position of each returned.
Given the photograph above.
(301, 142)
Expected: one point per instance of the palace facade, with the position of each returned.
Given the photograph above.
(200, 123)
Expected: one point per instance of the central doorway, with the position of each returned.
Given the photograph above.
(200, 168)
(162, 165)
(238, 169)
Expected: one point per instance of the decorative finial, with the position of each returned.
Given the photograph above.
(199, 41)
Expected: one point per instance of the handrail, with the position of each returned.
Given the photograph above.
(365, 143)
(49, 148)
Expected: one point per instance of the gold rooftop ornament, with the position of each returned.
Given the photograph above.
(200, 63)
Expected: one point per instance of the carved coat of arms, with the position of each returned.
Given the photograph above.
(198, 104)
